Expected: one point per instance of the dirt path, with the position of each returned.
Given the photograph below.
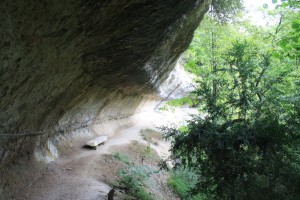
(74, 176)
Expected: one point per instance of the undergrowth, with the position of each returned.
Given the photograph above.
(182, 181)
(133, 180)
(172, 104)
(180, 102)
(121, 157)
(136, 178)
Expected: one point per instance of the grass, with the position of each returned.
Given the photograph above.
(121, 157)
(180, 102)
(133, 179)
(135, 176)
(182, 181)
(144, 151)
(172, 104)
(151, 135)
(167, 108)
(143, 180)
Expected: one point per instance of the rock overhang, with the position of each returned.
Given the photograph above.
(61, 61)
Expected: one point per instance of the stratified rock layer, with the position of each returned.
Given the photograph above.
(65, 65)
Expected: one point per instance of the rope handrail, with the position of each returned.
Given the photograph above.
(25, 134)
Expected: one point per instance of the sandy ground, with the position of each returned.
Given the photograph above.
(75, 176)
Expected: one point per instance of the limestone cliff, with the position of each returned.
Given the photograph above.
(67, 65)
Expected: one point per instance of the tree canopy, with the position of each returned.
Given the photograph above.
(245, 144)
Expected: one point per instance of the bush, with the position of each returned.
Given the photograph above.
(182, 182)
(133, 180)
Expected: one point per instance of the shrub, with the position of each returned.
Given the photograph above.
(133, 180)
(182, 181)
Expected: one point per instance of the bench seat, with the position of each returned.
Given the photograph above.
(98, 140)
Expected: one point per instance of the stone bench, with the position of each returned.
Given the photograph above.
(98, 140)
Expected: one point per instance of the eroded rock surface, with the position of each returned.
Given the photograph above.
(67, 65)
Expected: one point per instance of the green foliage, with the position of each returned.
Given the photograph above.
(225, 9)
(211, 40)
(121, 157)
(180, 102)
(133, 179)
(189, 100)
(182, 182)
(141, 177)
(247, 147)
(287, 34)
(164, 108)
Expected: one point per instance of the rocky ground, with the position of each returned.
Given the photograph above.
(88, 174)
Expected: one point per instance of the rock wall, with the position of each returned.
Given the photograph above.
(65, 65)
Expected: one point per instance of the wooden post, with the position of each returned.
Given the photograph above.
(111, 194)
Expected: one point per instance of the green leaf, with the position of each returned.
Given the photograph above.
(295, 39)
(275, 54)
(265, 6)
(297, 21)
(295, 24)
(283, 43)
(284, 4)
(274, 1)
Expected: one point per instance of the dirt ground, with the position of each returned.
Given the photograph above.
(85, 174)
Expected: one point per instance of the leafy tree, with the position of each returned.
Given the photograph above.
(223, 10)
(247, 145)
(287, 33)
